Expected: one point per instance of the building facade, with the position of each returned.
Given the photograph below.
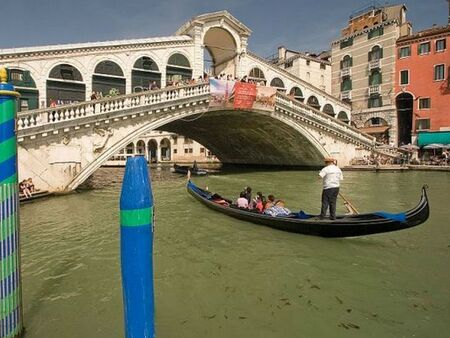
(423, 87)
(363, 68)
(313, 68)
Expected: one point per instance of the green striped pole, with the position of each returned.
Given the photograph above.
(11, 325)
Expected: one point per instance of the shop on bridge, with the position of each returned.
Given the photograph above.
(108, 79)
(145, 72)
(65, 86)
(178, 69)
(25, 85)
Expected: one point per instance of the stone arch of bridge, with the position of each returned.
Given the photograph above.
(223, 48)
(275, 139)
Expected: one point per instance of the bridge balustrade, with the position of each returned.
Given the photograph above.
(108, 105)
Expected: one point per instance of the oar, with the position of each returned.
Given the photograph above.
(350, 207)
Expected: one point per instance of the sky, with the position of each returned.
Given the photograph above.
(297, 24)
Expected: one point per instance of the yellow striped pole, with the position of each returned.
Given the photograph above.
(11, 325)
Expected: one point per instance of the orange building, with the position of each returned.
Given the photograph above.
(422, 87)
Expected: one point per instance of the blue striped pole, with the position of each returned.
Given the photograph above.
(136, 249)
(11, 325)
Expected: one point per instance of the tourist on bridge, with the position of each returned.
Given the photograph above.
(331, 176)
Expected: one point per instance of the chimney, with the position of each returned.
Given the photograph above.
(282, 53)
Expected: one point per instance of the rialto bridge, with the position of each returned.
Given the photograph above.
(60, 146)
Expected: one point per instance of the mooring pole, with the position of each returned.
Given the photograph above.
(10, 280)
(136, 248)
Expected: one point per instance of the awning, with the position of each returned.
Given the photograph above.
(375, 129)
(424, 138)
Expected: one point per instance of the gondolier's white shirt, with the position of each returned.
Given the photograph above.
(331, 176)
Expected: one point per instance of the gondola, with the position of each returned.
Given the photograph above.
(342, 226)
(183, 169)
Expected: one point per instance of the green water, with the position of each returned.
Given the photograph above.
(219, 277)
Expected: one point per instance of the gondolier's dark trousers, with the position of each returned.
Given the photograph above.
(329, 197)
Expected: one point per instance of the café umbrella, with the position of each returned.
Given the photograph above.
(409, 147)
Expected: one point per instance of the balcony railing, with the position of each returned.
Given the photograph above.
(374, 64)
(374, 89)
(347, 95)
(346, 72)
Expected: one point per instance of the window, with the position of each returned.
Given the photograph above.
(376, 53)
(16, 75)
(202, 150)
(308, 62)
(175, 140)
(323, 66)
(404, 77)
(175, 151)
(439, 72)
(440, 45)
(288, 64)
(23, 104)
(424, 48)
(375, 32)
(346, 62)
(425, 103)
(375, 78)
(375, 101)
(186, 150)
(190, 150)
(422, 124)
(346, 85)
(404, 52)
(346, 43)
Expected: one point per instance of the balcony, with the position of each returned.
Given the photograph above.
(347, 95)
(374, 89)
(346, 72)
(374, 64)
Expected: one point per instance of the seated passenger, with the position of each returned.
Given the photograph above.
(242, 201)
(270, 202)
(278, 209)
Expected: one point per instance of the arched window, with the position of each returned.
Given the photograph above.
(65, 86)
(343, 116)
(346, 62)
(375, 78)
(165, 149)
(278, 84)
(375, 122)
(178, 69)
(25, 85)
(328, 109)
(140, 147)
(257, 75)
(376, 53)
(145, 75)
(108, 79)
(129, 149)
(297, 94)
(152, 147)
(313, 102)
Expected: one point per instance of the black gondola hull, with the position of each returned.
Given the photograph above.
(343, 226)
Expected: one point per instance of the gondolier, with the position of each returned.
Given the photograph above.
(331, 176)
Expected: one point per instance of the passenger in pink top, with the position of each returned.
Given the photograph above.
(242, 201)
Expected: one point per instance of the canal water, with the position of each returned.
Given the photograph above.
(219, 277)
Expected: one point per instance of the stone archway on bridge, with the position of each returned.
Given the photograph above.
(108, 79)
(297, 93)
(24, 83)
(278, 84)
(65, 85)
(342, 115)
(222, 48)
(313, 102)
(144, 74)
(328, 109)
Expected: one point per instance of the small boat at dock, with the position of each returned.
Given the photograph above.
(183, 169)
